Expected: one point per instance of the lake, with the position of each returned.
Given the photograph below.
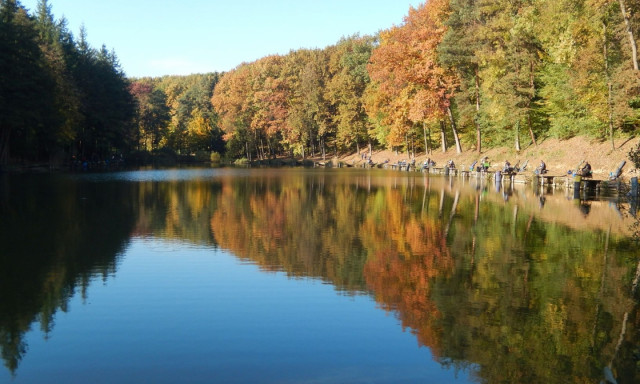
(293, 275)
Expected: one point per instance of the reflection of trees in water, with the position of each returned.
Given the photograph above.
(536, 303)
(401, 273)
(521, 299)
(475, 280)
(635, 224)
(177, 210)
(306, 228)
(55, 236)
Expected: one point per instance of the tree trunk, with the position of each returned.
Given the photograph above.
(605, 52)
(255, 143)
(313, 146)
(634, 286)
(518, 137)
(453, 213)
(272, 150)
(406, 144)
(413, 146)
(632, 41)
(533, 136)
(263, 155)
(443, 136)
(427, 148)
(609, 101)
(454, 130)
(533, 93)
(478, 132)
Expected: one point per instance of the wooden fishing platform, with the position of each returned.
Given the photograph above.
(545, 180)
(568, 181)
(553, 180)
(444, 171)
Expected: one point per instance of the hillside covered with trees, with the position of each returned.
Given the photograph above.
(468, 74)
(456, 72)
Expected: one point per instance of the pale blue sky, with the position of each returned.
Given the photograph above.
(167, 37)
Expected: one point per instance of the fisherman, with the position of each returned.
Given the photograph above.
(485, 164)
(542, 168)
(507, 167)
(586, 170)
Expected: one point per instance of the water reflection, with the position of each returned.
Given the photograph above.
(513, 283)
(55, 235)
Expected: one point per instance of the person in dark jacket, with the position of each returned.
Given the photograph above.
(586, 170)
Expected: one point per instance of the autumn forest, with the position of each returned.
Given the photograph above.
(467, 74)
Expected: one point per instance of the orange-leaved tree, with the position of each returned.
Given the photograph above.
(269, 104)
(405, 67)
(231, 100)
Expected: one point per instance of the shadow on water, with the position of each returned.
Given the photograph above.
(514, 284)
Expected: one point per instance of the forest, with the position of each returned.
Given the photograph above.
(63, 101)
(59, 97)
(465, 74)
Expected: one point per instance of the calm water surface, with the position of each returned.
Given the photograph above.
(313, 276)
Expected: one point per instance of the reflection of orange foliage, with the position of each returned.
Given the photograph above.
(401, 276)
(259, 226)
(404, 250)
(272, 228)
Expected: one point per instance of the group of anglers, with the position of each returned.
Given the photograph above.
(584, 169)
(507, 168)
(482, 165)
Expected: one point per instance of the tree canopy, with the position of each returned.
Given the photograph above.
(495, 72)
(59, 97)
(463, 73)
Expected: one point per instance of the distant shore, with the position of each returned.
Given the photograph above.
(560, 156)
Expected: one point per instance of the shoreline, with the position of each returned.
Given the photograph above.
(560, 156)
